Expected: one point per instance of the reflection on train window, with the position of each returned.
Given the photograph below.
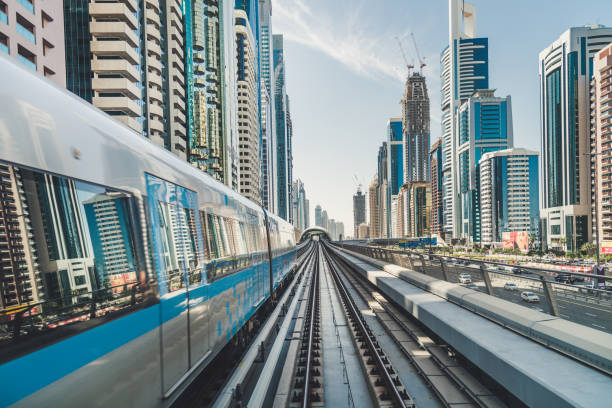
(179, 247)
(231, 245)
(70, 254)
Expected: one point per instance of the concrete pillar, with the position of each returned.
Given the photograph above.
(444, 269)
(486, 278)
(550, 296)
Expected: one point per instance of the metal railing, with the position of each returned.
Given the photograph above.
(491, 278)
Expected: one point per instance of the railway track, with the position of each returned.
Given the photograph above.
(436, 363)
(300, 368)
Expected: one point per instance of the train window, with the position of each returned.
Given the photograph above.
(227, 245)
(71, 255)
(177, 232)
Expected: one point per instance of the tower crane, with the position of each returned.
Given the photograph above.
(408, 65)
(421, 61)
(357, 182)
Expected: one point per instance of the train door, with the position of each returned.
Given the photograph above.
(177, 256)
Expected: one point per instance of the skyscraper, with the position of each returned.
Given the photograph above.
(280, 106)
(395, 141)
(359, 213)
(601, 131)
(374, 230)
(484, 124)
(318, 216)
(248, 109)
(435, 164)
(268, 116)
(131, 67)
(415, 119)
(509, 194)
(565, 74)
(22, 282)
(382, 192)
(464, 69)
(34, 35)
(112, 249)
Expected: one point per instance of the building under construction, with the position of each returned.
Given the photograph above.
(415, 118)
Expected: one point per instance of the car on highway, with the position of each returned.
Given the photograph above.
(516, 270)
(563, 278)
(465, 278)
(511, 286)
(530, 297)
(472, 286)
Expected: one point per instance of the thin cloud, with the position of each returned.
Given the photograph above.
(347, 44)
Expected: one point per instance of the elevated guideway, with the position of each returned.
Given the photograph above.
(563, 364)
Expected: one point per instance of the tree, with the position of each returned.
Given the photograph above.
(588, 248)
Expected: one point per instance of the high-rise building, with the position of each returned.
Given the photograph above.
(401, 229)
(33, 33)
(289, 149)
(484, 124)
(22, 282)
(382, 191)
(268, 125)
(435, 180)
(395, 142)
(127, 59)
(282, 136)
(364, 231)
(248, 108)
(307, 213)
(566, 68)
(374, 231)
(601, 133)
(299, 205)
(509, 199)
(340, 230)
(464, 69)
(318, 216)
(64, 251)
(324, 220)
(113, 251)
(415, 118)
(359, 212)
(208, 147)
(417, 204)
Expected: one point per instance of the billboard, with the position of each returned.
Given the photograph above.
(606, 247)
(516, 239)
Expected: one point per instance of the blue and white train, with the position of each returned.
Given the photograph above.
(124, 270)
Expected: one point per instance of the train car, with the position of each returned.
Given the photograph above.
(125, 270)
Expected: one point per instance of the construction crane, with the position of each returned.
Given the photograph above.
(408, 65)
(421, 61)
(357, 182)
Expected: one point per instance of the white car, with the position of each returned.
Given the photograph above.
(511, 286)
(465, 278)
(530, 297)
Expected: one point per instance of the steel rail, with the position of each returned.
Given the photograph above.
(395, 395)
(314, 292)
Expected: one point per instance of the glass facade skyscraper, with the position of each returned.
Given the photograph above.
(566, 69)
(464, 69)
(280, 107)
(484, 124)
(395, 141)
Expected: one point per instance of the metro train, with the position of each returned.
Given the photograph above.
(125, 270)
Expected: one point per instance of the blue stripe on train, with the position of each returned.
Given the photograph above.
(28, 374)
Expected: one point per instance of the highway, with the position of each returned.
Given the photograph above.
(573, 305)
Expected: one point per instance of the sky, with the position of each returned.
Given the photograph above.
(345, 76)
